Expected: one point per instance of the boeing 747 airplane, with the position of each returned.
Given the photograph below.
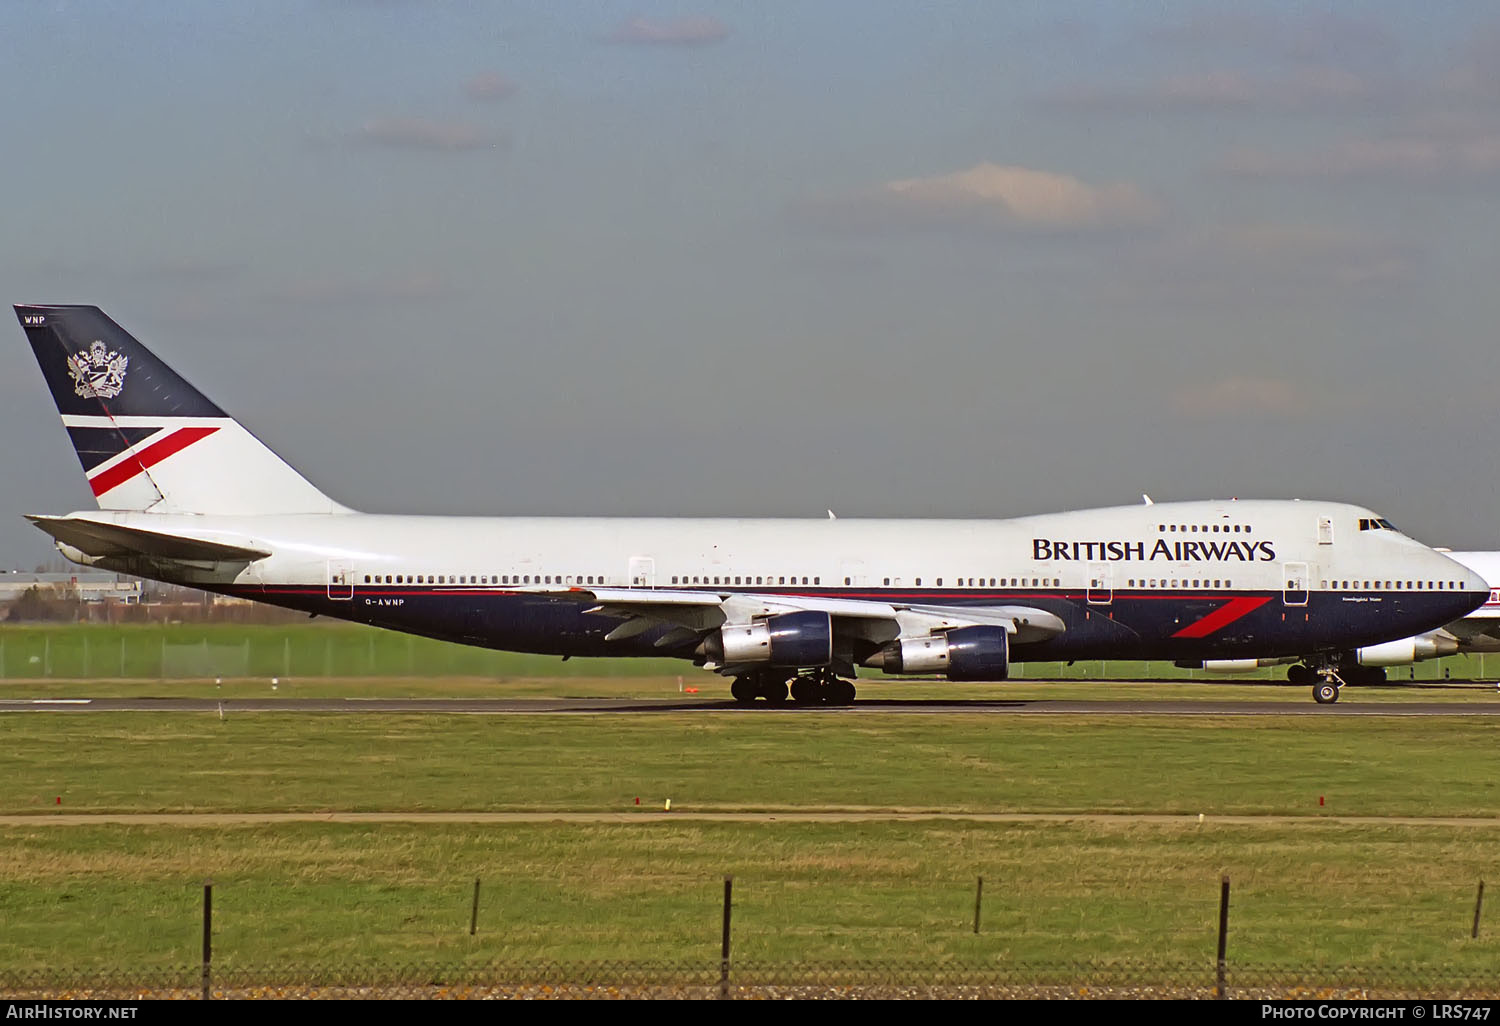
(787, 608)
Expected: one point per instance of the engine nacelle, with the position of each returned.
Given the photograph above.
(1230, 665)
(965, 654)
(791, 640)
(1407, 650)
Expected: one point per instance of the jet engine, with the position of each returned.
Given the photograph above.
(1408, 650)
(964, 654)
(790, 639)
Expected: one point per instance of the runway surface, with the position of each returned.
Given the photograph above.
(646, 816)
(600, 706)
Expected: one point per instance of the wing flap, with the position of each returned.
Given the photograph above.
(878, 622)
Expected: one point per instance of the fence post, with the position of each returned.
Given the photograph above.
(208, 942)
(724, 947)
(1478, 901)
(1219, 990)
(474, 914)
(978, 894)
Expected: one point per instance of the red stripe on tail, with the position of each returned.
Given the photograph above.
(148, 457)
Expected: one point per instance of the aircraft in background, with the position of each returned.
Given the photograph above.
(1477, 632)
(785, 607)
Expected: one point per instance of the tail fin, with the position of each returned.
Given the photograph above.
(146, 438)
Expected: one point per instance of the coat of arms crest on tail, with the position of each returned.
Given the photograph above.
(98, 373)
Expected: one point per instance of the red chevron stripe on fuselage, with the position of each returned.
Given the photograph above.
(1223, 616)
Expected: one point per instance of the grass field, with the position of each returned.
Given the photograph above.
(1314, 888)
(120, 897)
(1311, 890)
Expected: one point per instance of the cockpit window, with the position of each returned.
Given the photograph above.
(1375, 524)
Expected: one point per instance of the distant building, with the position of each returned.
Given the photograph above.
(84, 585)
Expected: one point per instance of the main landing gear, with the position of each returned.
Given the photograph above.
(1329, 681)
(818, 687)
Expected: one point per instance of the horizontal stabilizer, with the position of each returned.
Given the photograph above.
(112, 540)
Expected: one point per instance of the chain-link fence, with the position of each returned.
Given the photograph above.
(753, 980)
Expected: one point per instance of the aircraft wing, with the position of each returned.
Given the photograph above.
(696, 612)
(113, 541)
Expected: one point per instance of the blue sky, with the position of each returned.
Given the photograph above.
(966, 259)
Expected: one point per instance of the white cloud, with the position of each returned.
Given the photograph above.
(994, 196)
(421, 133)
(688, 31)
(489, 85)
(1240, 395)
(1237, 263)
(1309, 88)
(1441, 149)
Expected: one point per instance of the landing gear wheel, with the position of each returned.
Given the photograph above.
(1325, 692)
(841, 692)
(805, 691)
(1300, 674)
(773, 690)
(743, 690)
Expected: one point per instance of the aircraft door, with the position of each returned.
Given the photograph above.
(1294, 584)
(1101, 585)
(642, 572)
(340, 581)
